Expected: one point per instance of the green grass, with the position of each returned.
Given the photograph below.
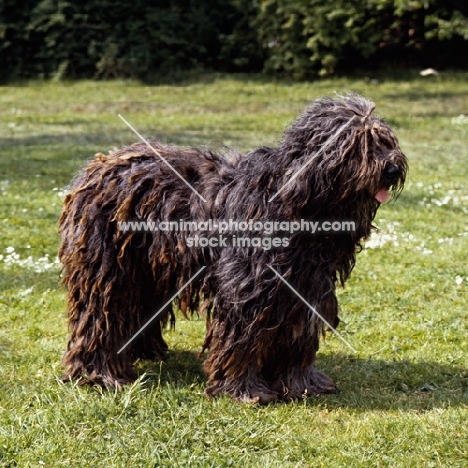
(403, 399)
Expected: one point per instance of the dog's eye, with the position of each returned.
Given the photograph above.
(391, 170)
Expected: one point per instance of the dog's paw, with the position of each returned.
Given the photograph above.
(322, 384)
(300, 383)
(243, 391)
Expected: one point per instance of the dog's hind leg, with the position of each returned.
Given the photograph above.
(108, 303)
(99, 350)
(92, 352)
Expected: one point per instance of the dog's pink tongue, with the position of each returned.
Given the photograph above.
(382, 195)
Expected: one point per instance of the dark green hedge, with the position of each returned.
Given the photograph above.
(296, 38)
(309, 37)
(105, 38)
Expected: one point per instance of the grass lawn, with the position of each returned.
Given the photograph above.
(404, 395)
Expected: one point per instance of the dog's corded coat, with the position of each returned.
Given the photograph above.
(261, 338)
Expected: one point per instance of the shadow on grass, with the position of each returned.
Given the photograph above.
(364, 384)
(182, 368)
(367, 383)
(65, 154)
(186, 79)
(422, 95)
(106, 140)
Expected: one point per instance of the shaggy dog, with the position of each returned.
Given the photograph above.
(335, 162)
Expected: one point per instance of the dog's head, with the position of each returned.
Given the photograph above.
(345, 154)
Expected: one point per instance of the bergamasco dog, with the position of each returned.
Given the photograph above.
(335, 162)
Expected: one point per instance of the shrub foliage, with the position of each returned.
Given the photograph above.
(308, 37)
(296, 38)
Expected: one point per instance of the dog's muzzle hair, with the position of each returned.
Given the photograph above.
(261, 338)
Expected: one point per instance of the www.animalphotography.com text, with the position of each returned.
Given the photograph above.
(231, 233)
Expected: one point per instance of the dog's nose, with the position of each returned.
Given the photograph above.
(392, 170)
